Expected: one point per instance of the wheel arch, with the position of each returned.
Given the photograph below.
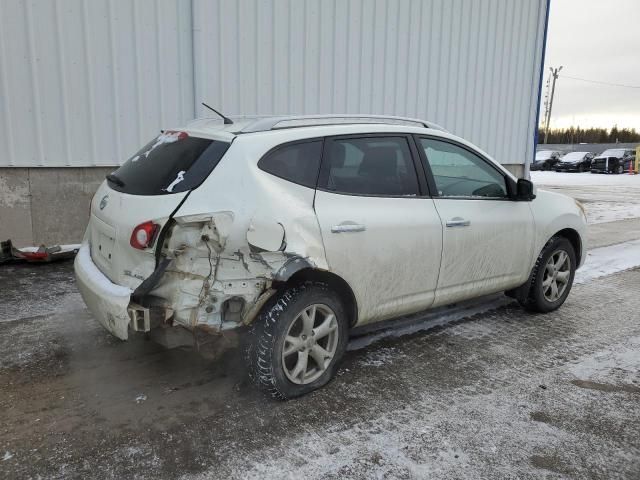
(335, 282)
(574, 238)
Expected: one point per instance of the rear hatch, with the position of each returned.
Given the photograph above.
(146, 188)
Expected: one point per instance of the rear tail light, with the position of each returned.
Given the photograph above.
(143, 235)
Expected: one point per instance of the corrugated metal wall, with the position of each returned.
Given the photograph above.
(85, 82)
(82, 82)
(470, 65)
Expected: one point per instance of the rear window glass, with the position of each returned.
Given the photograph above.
(170, 163)
(297, 162)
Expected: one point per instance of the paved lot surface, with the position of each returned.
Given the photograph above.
(499, 394)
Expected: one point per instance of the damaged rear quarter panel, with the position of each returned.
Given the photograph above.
(231, 238)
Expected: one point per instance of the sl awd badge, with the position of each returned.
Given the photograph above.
(104, 201)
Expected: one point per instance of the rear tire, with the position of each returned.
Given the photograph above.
(297, 342)
(553, 276)
(619, 169)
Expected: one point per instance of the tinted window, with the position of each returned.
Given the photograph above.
(370, 166)
(171, 163)
(298, 162)
(613, 152)
(460, 173)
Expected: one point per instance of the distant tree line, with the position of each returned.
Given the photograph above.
(589, 135)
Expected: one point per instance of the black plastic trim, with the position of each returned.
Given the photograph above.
(151, 281)
(287, 144)
(290, 267)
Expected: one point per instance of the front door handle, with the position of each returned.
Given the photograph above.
(458, 222)
(348, 227)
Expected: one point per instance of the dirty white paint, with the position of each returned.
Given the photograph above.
(107, 301)
(226, 248)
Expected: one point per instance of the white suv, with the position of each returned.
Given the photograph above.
(292, 230)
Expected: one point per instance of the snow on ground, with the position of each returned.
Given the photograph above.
(606, 198)
(608, 260)
(602, 212)
(380, 357)
(620, 366)
(561, 179)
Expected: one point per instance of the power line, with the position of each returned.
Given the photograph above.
(602, 83)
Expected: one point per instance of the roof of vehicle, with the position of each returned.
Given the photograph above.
(244, 125)
(577, 153)
(547, 153)
(623, 150)
(294, 128)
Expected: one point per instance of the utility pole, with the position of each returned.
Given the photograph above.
(554, 72)
(547, 92)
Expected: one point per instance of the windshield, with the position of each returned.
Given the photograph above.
(574, 156)
(173, 162)
(613, 152)
(543, 155)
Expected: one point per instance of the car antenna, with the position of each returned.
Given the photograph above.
(227, 121)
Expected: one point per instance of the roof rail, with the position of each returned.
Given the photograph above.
(272, 123)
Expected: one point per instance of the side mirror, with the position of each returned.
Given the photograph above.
(525, 190)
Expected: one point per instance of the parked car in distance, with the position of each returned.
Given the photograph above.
(613, 160)
(575, 162)
(545, 160)
(288, 232)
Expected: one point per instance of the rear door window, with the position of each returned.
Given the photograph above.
(173, 162)
(370, 166)
(296, 162)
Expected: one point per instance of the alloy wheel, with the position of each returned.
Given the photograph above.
(310, 344)
(556, 275)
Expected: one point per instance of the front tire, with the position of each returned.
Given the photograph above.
(296, 343)
(619, 169)
(552, 276)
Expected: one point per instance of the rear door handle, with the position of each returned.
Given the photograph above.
(348, 227)
(458, 222)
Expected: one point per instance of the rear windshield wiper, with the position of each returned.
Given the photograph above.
(114, 179)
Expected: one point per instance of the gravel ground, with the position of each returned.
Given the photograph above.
(492, 393)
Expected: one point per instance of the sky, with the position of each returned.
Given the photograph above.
(596, 40)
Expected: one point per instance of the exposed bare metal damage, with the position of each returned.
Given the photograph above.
(227, 234)
(216, 286)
